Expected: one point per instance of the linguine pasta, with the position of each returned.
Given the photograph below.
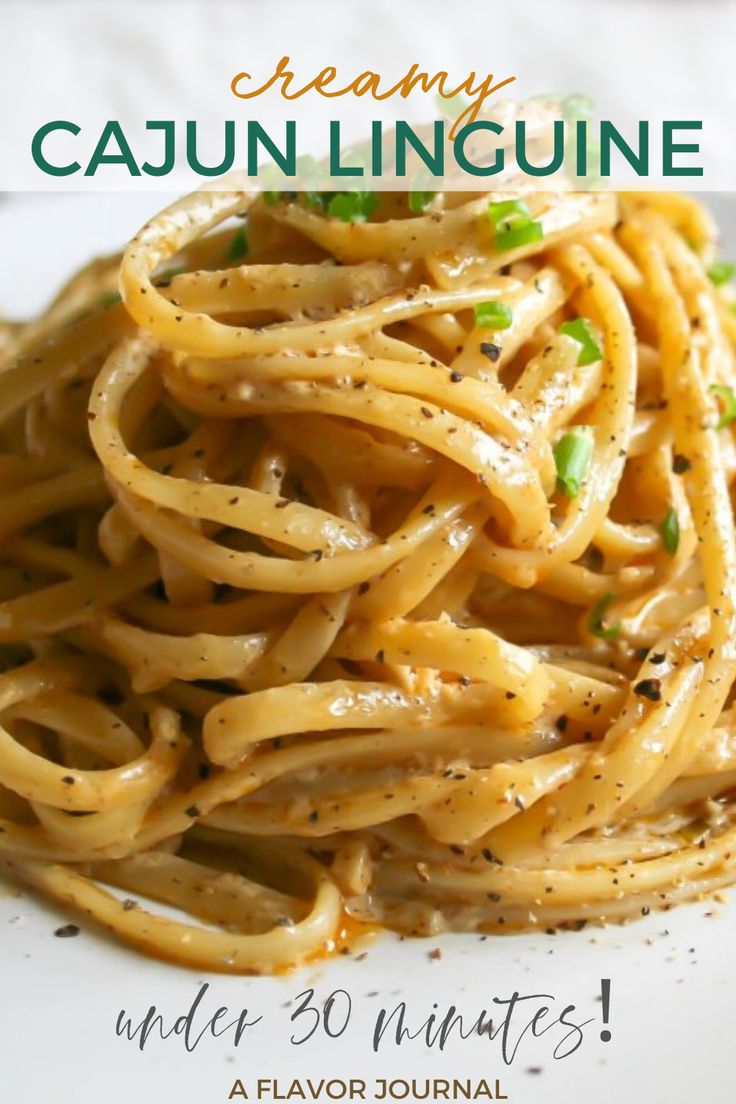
(371, 571)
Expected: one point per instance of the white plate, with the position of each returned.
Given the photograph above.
(673, 1000)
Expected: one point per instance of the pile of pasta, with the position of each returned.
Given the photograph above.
(372, 565)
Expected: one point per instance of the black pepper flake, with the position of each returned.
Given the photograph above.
(490, 350)
(426, 412)
(490, 857)
(364, 588)
(204, 770)
(67, 932)
(68, 780)
(129, 904)
(645, 910)
(380, 656)
(650, 689)
(313, 816)
(509, 695)
(456, 376)
(657, 657)
(192, 811)
(561, 723)
(317, 554)
(680, 464)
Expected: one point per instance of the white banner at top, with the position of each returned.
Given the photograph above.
(477, 95)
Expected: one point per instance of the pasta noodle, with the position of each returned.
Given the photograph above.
(362, 573)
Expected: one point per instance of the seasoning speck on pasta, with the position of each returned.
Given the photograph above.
(369, 561)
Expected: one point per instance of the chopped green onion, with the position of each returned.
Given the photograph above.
(572, 454)
(518, 236)
(269, 198)
(420, 201)
(729, 404)
(507, 213)
(352, 206)
(493, 315)
(110, 298)
(595, 620)
(318, 200)
(513, 225)
(581, 330)
(238, 247)
(721, 272)
(670, 530)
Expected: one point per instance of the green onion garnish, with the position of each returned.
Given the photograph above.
(721, 272)
(504, 214)
(518, 236)
(595, 620)
(572, 454)
(109, 299)
(513, 225)
(729, 404)
(317, 200)
(581, 330)
(269, 198)
(670, 530)
(238, 247)
(493, 315)
(420, 201)
(352, 206)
